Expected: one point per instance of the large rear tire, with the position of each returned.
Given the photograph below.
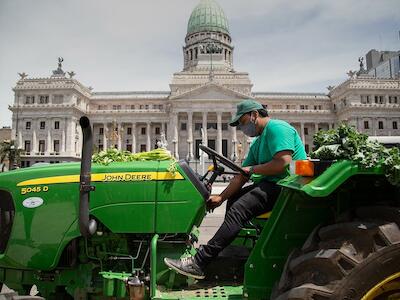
(358, 258)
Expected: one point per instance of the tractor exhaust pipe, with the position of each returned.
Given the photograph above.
(87, 227)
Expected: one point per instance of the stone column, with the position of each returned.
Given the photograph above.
(190, 136)
(68, 138)
(19, 145)
(303, 139)
(148, 131)
(105, 131)
(175, 140)
(219, 132)
(163, 128)
(48, 146)
(234, 154)
(133, 137)
(119, 136)
(204, 136)
(63, 140)
(72, 137)
(34, 141)
(315, 127)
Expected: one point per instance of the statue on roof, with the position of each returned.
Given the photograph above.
(71, 74)
(23, 75)
(60, 60)
(362, 70)
(351, 74)
(59, 72)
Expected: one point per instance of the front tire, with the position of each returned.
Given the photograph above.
(358, 258)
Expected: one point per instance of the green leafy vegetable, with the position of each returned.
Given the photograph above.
(114, 155)
(345, 142)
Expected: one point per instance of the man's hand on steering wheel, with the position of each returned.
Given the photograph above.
(218, 158)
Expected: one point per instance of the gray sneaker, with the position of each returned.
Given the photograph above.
(185, 266)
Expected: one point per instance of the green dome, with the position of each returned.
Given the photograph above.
(208, 16)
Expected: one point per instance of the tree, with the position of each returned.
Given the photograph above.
(8, 152)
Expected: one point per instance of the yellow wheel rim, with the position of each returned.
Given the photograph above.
(389, 286)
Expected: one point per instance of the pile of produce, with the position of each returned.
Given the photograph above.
(345, 142)
(114, 155)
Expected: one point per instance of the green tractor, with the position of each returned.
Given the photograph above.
(333, 234)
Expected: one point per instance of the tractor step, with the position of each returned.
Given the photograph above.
(203, 291)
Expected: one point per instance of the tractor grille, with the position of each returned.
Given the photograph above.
(7, 212)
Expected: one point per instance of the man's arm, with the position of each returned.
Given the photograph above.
(233, 187)
(274, 167)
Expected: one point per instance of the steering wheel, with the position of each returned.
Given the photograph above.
(216, 157)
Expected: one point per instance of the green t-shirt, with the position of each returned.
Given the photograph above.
(277, 136)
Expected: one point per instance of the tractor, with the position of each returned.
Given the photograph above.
(83, 231)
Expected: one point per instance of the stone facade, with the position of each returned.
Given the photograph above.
(197, 109)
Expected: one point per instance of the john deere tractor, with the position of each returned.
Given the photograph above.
(83, 231)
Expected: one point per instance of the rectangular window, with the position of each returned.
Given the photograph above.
(129, 130)
(56, 146)
(42, 146)
(157, 130)
(211, 125)
(394, 125)
(27, 147)
(101, 130)
(132, 106)
(29, 99)
(392, 99)
(143, 130)
(380, 125)
(146, 106)
(101, 147)
(379, 99)
(183, 126)
(43, 99)
(307, 148)
(28, 125)
(129, 148)
(42, 125)
(366, 125)
(306, 131)
(364, 99)
(116, 107)
(224, 126)
(142, 148)
(57, 125)
(58, 99)
(198, 126)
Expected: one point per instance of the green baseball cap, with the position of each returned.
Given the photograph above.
(245, 107)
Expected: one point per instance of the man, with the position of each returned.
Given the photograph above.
(276, 144)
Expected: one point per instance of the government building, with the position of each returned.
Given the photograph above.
(196, 110)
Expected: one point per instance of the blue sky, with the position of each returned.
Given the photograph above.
(126, 45)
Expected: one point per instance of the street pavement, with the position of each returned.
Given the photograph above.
(213, 221)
